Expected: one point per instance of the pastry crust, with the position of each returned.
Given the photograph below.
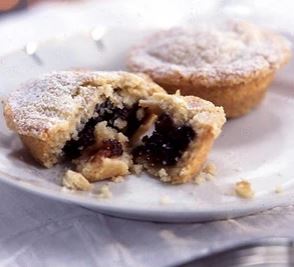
(230, 64)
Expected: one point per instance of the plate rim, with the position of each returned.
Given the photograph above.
(157, 215)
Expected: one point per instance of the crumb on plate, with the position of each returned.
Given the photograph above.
(210, 168)
(104, 192)
(243, 189)
(137, 169)
(75, 181)
(118, 179)
(279, 189)
(163, 175)
(164, 200)
(200, 178)
(208, 173)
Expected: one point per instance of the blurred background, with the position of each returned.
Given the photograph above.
(24, 21)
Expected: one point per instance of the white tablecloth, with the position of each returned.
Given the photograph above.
(40, 232)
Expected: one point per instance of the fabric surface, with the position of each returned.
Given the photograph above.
(39, 232)
(35, 231)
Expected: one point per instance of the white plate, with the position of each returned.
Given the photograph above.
(258, 147)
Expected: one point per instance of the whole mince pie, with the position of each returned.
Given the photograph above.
(229, 63)
(105, 122)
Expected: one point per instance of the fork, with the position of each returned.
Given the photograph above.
(266, 252)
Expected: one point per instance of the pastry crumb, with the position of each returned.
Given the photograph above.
(209, 177)
(200, 178)
(207, 174)
(244, 190)
(163, 175)
(210, 168)
(137, 169)
(279, 189)
(118, 179)
(104, 192)
(119, 123)
(164, 200)
(75, 181)
(100, 168)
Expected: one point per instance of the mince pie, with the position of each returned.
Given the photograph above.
(104, 122)
(230, 64)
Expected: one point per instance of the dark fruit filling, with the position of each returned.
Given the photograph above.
(105, 112)
(110, 148)
(166, 144)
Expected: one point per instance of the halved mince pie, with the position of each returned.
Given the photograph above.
(105, 121)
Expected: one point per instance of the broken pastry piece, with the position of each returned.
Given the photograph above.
(75, 181)
(105, 121)
(107, 158)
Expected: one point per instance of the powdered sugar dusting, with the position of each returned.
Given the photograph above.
(211, 53)
(47, 101)
(62, 101)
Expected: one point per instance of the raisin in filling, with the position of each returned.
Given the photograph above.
(110, 148)
(166, 144)
(105, 112)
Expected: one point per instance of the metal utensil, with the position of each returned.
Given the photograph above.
(270, 252)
